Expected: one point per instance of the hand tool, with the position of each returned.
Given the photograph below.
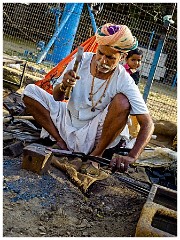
(76, 65)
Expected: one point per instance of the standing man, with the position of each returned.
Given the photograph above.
(103, 96)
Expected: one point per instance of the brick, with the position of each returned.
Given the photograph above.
(36, 158)
(159, 214)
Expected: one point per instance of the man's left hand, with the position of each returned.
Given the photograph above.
(120, 163)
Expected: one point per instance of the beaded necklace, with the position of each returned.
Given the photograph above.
(91, 94)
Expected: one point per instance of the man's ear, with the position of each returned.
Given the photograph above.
(125, 55)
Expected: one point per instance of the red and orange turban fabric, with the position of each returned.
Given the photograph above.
(116, 36)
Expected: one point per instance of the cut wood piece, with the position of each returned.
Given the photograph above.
(36, 158)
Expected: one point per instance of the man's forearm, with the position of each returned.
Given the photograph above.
(142, 139)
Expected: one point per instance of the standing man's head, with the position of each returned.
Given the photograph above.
(134, 58)
(114, 41)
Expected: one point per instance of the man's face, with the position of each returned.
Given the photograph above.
(107, 58)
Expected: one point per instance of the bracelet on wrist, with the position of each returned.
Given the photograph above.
(61, 87)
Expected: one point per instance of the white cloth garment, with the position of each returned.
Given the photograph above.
(79, 127)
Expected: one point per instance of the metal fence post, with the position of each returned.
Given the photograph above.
(174, 81)
(167, 21)
(149, 45)
(92, 19)
(63, 40)
(154, 66)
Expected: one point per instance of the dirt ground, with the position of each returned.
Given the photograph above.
(52, 206)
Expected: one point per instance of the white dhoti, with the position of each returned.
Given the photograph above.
(78, 139)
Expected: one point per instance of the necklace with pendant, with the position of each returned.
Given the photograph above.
(91, 94)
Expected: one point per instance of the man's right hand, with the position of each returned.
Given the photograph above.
(69, 79)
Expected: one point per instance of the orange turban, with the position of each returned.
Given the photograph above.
(116, 36)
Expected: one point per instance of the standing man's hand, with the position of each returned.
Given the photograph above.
(121, 163)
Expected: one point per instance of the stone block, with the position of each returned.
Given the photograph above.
(159, 214)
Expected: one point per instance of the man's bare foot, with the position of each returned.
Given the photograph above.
(62, 145)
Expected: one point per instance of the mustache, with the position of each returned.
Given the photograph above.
(103, 65)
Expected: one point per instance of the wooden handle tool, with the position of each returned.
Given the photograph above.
(76, 65)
